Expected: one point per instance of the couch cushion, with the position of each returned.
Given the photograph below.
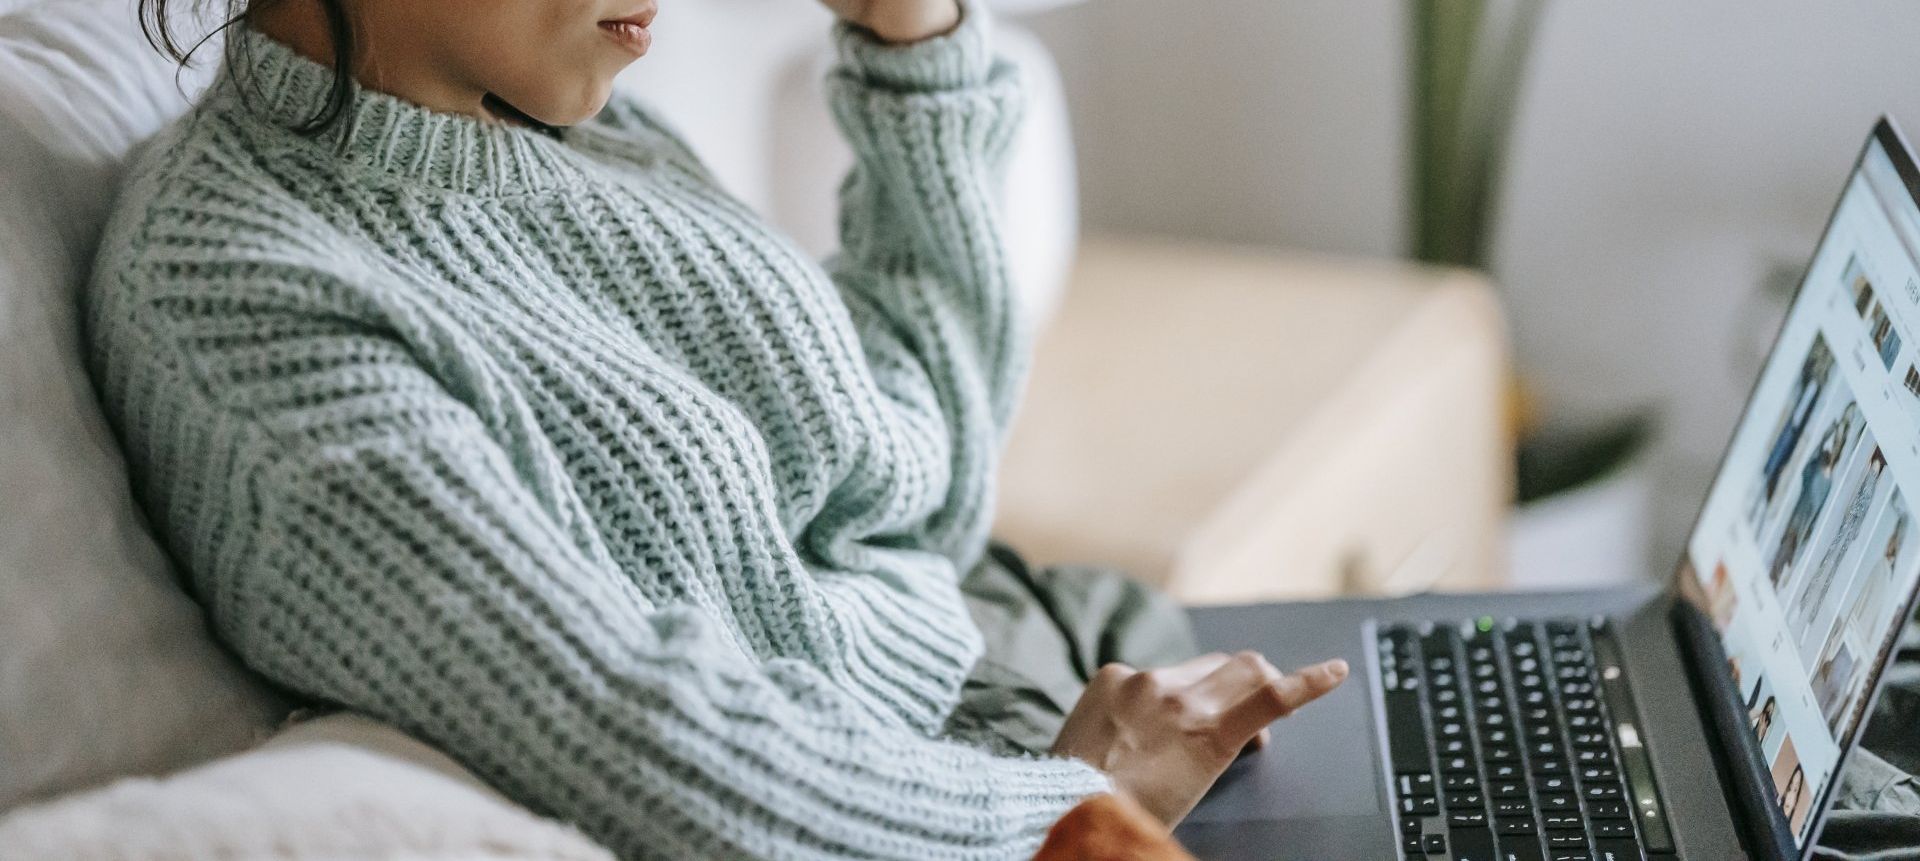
(336, 788)
(105, 665)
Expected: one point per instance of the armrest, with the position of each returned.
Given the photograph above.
(1236, 425)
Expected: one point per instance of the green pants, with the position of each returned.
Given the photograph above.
(1048, 629)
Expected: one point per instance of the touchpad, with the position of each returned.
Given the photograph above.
(1322, 762)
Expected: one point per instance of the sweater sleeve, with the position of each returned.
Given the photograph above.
(383, 552)
(922, 264)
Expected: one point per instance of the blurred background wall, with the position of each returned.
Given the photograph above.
(1671, 168)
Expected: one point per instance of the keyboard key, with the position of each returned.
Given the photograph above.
(1412, 847)
(1512, 806)
(1508, 789)
(1604, 756)
(1409, 825)
(1418, 783)
(1616, 849)
(1557, 801)
(1457, 765)
(1471, 844)
(1562, 820)
(1607, 810)
(1466, 819)
(1419, 805)
(1571, 855)
(1542, 731)
(1406, 738)
(1520, 849)
(1464, 800)
(1435, 844)
(1550, 766)
(1567, 839)
(1598, 773)
(1504, 771)
(1454, 782)
(1501, 753)
(1455, 747)
(1514, 825)
(1602, 792)
(1612, 828)
(1553, 784)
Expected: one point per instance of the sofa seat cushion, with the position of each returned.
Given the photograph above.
(329, 789)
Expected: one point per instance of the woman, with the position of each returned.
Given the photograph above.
(1792, 797)
(1817, 588)
(1763, 719)
(1816, 481)
(468, 400)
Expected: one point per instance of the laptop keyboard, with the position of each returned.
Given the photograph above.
(1516, 742)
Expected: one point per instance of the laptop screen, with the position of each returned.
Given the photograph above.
(1807, 549)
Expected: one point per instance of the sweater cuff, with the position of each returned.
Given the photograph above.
(959, 58)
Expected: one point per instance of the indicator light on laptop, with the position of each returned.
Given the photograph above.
(1610, 673)
(1629, 737)
(1484, 623)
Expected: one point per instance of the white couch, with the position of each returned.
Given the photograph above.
(106, 670)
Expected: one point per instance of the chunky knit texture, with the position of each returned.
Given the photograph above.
(545, 449)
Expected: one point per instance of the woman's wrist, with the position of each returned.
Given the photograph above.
(907, 23)
(955, 58)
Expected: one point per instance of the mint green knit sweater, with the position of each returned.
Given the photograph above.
(552, 453)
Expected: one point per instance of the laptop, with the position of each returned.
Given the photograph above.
(1708, 717)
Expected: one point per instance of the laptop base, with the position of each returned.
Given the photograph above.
(1319, 791)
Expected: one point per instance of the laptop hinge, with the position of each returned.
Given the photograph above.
(1743, 768)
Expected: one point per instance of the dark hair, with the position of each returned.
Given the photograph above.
(156, 22)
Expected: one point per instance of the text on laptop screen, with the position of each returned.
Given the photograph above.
(1807, 549)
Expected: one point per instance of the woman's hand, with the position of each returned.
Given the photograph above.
(1165, 735)
(899, 21)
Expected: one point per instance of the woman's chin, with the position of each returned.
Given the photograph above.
(572, 111)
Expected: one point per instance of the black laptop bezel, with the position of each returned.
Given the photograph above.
(1744, 766)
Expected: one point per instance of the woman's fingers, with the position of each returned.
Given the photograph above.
(1192, 670)
(1278, 695)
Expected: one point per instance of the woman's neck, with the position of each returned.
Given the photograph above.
(404, 71)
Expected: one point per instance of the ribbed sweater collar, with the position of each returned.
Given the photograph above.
(384, 134)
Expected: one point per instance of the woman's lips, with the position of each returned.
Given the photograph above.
(631, 32)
